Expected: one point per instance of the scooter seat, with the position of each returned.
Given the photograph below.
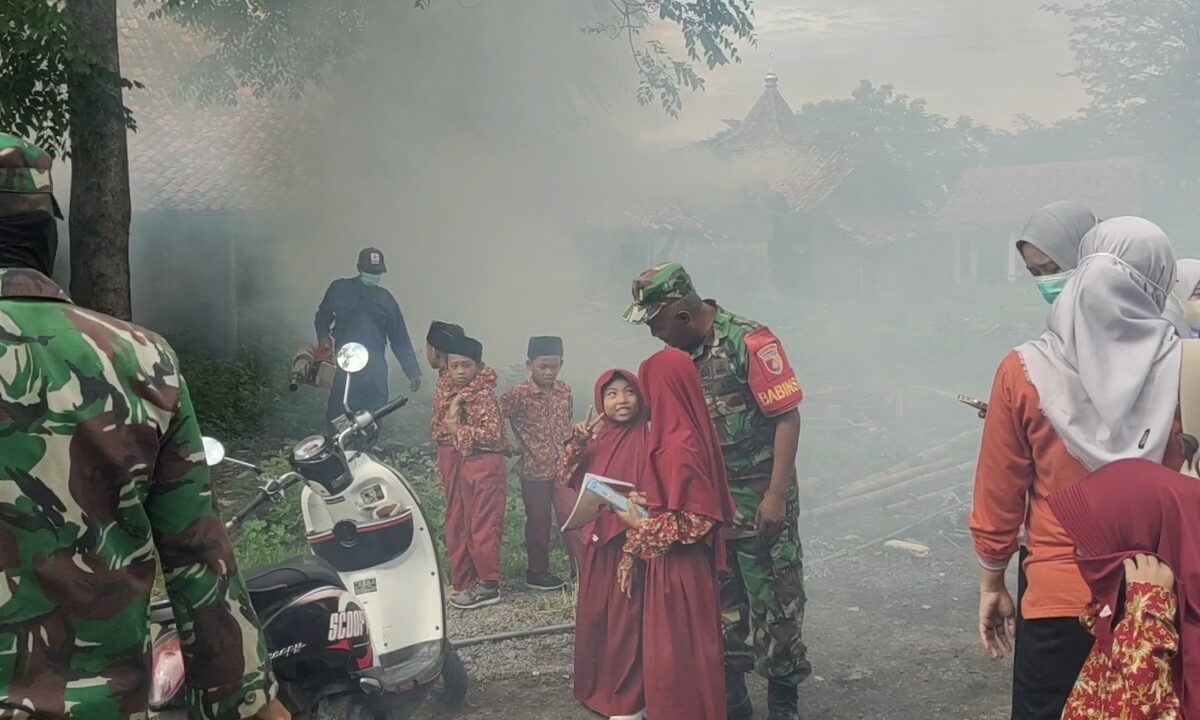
(268, 582)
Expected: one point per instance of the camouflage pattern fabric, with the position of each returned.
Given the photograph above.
(763, 598)
(656, 288)
(24, 167)
(762, 603)
(747, 435)
(101, 465)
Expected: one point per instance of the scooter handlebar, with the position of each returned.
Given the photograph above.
(390, 408)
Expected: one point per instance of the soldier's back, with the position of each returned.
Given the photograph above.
(85, 402)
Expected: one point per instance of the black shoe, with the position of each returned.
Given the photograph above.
(782, 701)
(738, 705)
(544, 582)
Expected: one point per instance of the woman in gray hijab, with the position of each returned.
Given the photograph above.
(1050, 244)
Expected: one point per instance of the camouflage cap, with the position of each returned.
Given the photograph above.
(25, 169)
(656, 288)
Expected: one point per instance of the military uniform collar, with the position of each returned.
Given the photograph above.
(718, 331)
(29, 283)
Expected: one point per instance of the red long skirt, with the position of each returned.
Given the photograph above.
(681, 636)
(476, 489)
(608, 633)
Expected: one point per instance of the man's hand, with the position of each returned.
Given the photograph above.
(273, 710)
(415, 384)
(997, 615)
(772, 515)
(1149, 569)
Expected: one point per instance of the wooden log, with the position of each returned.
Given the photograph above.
(962, 491)
(878, 496)
(875, 483)
(923, 458)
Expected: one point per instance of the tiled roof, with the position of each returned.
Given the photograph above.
(804, 172)
(1010, 194)
(771, 146)
(199, 158)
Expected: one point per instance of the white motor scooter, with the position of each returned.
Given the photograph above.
(358, 629)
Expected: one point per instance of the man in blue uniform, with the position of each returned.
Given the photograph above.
(359, 310)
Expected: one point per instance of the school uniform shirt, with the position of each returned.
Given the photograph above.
(1133, 681)
(1022, 458)
(541, 420)
(479, 429)
(443, 395)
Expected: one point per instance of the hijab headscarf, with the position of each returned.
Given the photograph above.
(686, 470)
(1131, 507)
(1107, 367)
(618, 451)
(1057, 229)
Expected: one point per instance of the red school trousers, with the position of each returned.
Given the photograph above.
(475, 487)
(546, 501)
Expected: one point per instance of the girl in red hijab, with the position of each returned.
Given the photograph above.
(608, 624)
(685, 489)
(1138, 547)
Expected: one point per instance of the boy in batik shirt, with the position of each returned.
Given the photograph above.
(539, 411)
(474, 474)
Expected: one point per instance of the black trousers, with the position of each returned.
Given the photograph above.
(1049, 655)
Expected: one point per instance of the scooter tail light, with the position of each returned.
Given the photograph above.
(167, 679)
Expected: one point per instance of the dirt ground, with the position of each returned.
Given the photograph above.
(891, 637)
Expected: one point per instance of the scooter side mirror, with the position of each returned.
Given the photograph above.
(351, 358)
(214, 452)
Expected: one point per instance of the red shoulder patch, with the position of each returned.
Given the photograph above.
(771, 377)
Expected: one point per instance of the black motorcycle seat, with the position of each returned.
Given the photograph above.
(270, 580)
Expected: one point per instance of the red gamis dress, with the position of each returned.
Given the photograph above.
(608, 623)
(1146, 662)
(682, 545)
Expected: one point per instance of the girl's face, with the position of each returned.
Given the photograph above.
(462, 370)
(620, 401)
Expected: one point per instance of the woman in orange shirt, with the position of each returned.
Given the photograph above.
(1101, 384)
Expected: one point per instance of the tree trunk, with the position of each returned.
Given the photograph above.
(99, 214)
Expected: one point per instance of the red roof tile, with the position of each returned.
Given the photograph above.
(1010, 194)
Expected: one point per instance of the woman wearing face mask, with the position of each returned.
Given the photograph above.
(1049, 244)
(1101, 384)
(1187, 291)
(1133, 523)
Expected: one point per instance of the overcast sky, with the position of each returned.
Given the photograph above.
(990, 59)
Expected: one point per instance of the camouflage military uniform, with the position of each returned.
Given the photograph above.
(763, 598)
(101, 465)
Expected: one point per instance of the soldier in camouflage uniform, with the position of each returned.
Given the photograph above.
(101, 466)
(753, 396)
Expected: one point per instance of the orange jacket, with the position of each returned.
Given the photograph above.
(1022, 462)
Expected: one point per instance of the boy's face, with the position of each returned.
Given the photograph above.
(436, 358)
(544, 370)
(462, 370)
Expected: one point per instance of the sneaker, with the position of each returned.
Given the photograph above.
(639, 715)
(477, 596)
(544, 582)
